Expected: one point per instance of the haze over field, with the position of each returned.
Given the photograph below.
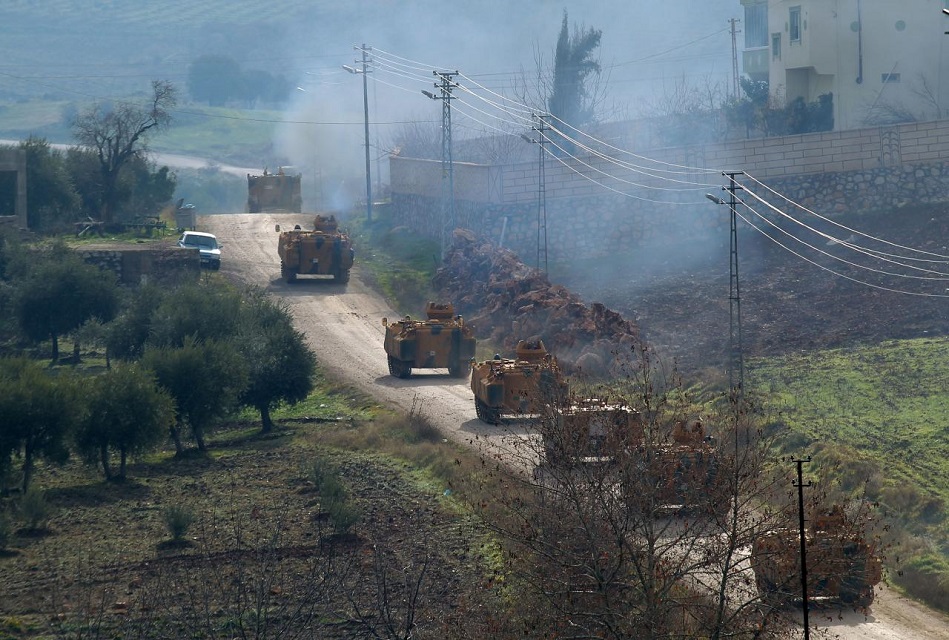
(79, 51)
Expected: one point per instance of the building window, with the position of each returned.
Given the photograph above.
(890, 77)
(775, 46)
(794, 22)
(756, 26)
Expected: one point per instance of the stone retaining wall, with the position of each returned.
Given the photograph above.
(138, 265)
(831, 173)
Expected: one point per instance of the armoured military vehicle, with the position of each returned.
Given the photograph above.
(588, 430)
(322, 251)
(521, 386)
(841, 564)
(441, 341)
(274, 192)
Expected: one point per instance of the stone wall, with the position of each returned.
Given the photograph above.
(597, 204)
(134, 265)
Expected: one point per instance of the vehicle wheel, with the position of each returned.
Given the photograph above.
(288, 274)
(399, 369)
(215, 266)
(487, 414)
(865, 599)
(456, 370)
(341, 276)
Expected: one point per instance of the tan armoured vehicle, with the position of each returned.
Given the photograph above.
(521, 386)
(588, 430)
(274, 192)
(683, 470)
(322, 251)
(842, 565)
(442, 341)
(673, 471)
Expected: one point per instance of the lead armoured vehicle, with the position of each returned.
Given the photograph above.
(322, 251)
(274, 192)
(441, 341)
(521, 386)
(841, 564)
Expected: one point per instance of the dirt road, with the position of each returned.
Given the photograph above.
(344, 327)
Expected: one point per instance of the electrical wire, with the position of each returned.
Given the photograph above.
(942, 257)
(838, 258)
(829, 270)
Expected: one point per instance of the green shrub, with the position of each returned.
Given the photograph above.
(344, 515)
(178, 519)
(35, 510)
(6, 530)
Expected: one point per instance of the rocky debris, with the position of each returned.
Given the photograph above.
(506, 301)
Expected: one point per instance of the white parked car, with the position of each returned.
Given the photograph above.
(206, 244)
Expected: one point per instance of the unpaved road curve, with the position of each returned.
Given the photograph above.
(343, 326)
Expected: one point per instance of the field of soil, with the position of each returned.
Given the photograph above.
(679, 296)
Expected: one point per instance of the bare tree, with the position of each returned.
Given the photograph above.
(119, 134)
(417, 140)
(645, 533)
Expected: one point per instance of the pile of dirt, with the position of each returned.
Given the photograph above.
(506, 301)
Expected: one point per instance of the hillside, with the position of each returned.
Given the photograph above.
(679, 295)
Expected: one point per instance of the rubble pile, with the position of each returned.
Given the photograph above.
(506, 301)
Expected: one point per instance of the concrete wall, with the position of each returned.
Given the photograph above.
(832, 173)
(14, 160)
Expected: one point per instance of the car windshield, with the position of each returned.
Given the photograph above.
(205, 242)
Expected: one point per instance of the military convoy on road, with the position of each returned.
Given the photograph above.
(442, 341)
(321, 251)
(274, 192)
(680, 465)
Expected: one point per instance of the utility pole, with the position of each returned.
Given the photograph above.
(448, 224)
(735, 32)
(542, 140)
(736, 360)
(800, 511)
(365, 107)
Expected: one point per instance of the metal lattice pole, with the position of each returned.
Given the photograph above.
(448, 221)
(736, 360)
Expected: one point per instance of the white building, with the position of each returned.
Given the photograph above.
(884, 61)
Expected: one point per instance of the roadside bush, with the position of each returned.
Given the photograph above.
(344, 515)
(6, 530)
(178, 519)
(35, 510)
(334, 500)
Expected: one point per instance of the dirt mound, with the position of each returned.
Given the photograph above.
(506, 301)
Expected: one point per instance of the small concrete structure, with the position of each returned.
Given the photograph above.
(13, 160)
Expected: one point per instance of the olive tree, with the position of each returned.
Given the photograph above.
(280, 364)
(128, 414)
(37, 414)
(60, 294)
(204, 378)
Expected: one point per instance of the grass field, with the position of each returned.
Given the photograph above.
(876, 421)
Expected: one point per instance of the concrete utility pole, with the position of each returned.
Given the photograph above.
(448, 179)
(365, 107)
(800, 510)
